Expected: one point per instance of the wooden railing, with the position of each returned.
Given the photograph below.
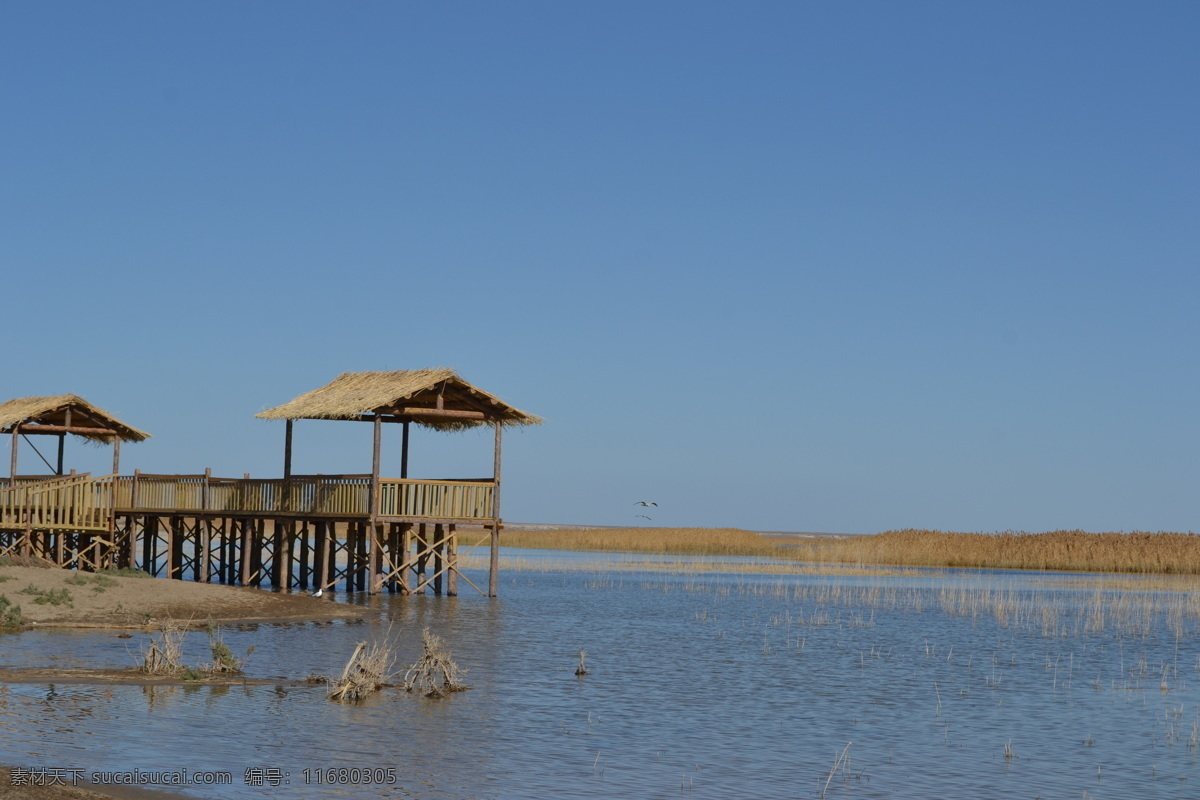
(436, 499)
(75, 502)
(308, 495)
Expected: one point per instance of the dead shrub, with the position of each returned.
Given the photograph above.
(366, 672)
(435, 674)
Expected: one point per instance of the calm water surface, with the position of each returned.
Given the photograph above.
(704, 686)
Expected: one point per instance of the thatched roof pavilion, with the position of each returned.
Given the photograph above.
(59, 415)
(435, 398)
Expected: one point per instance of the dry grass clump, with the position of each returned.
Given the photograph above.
(666, 541)
(1078, 551)
(164, 655)
(366, 672)
(224, 662)
(435, 674)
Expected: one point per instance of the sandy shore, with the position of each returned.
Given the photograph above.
(98, 600)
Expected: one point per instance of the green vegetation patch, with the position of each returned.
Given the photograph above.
(52, 597)
(10, 615)
(98, 582)
(126, 572)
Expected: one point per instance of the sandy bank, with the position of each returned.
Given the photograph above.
(64, 598)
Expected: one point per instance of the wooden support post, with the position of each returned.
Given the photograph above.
(438, 535)
(175, 549)
(205, 534)
(62, 442)
(331, 542)
(116, 455)
(360, 571)
(422, 553)
(452, 562)
(304, 571)
(287, 451)
(257, 551)
(320, 553)
(247, 549)
(402, 557)
(404, 450)
(376, 558)
(150, 545)
(494, 557)
(494, 561)
(373, 509)
(277, 539)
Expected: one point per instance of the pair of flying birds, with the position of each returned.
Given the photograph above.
(646, 503)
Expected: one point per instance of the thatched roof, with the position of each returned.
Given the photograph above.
(33, 411)
(435, 398)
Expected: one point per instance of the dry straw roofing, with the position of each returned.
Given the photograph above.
(53, 411)
(355, 395)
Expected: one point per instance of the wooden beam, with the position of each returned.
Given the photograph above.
(449, 413)
(57, 429)
(16, 431)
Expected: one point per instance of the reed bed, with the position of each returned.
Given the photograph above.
(1139, 552)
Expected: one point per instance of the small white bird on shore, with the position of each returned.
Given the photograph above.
(318, 592)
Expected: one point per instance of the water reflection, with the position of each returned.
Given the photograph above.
(713, 685)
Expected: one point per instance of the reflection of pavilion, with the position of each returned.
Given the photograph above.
(369, 531)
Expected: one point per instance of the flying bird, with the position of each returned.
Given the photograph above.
(643, 516)
(644, 503)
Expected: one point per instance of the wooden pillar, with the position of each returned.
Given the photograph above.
(452, 562)
(361, 566)
(205, 532)
(402, 558)
(494, 556)
(438, 561)
(331, 543)
(277, 548)
(175, 549)
(150, 545)
(376, 558)
(257, 548)
(320, 554)
(247, 549)
(116, 455)
(372, 554)
(287, 451)
(422, 553)
(304, 572)
(232, 552)
(62, 442)
(404, 450)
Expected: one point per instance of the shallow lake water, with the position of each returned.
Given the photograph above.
(713, 685)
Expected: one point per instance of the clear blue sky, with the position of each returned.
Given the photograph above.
(803, 266)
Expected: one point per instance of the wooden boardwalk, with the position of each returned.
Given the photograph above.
(360, 532)
(302, 532)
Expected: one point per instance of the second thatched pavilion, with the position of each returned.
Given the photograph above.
(401, 511)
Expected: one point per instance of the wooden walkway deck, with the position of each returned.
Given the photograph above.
(303, 531)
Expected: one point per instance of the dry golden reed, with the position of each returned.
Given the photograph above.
(1138, 552)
